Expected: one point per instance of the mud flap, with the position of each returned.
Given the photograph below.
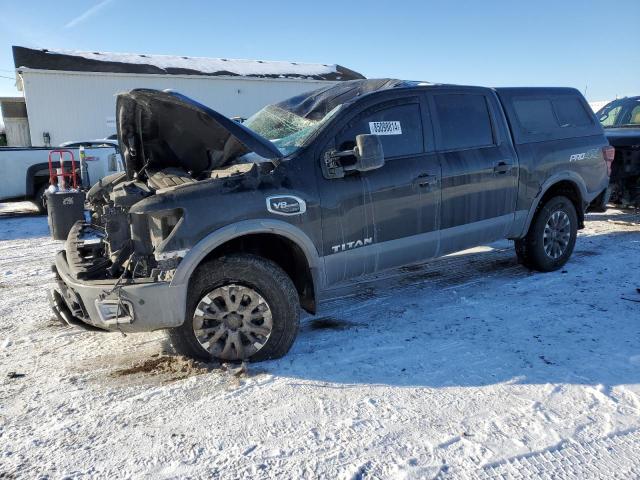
(599, 204)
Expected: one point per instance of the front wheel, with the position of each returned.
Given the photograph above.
(239, 307)
(551, 237)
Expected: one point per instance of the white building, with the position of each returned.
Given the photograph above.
(71, 95)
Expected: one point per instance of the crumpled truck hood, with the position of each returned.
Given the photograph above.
(162, 129)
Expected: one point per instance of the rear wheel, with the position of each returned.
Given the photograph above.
(240, 307)
(551, 237)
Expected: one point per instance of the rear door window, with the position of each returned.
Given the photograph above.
(398, 126)
(635, 115)
(463, 121)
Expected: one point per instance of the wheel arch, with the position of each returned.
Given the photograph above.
(568, 184)
(32, 173)
(276, 240)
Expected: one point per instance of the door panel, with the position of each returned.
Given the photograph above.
(374, 220)
(479, 170)
(477, 184)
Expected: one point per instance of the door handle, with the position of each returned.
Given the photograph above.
(425, 180)
(502, 168)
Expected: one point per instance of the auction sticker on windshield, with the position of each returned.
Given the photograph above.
(385, 128)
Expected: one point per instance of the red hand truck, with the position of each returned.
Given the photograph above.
(53, 174)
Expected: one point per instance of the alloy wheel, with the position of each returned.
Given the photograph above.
(232, 322)
(557, 234)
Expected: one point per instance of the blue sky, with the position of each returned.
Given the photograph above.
(584, 44)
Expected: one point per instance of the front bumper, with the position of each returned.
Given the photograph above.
(134, 306)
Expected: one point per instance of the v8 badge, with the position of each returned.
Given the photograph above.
(286, 205)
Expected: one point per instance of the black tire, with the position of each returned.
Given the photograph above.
(40, 200)
(258, 274)
(531, 249)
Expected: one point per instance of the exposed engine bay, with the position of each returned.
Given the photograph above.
(167, 142)
(114, 243)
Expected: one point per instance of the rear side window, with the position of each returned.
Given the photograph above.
(463, 120)
(545, 115)
(535, 115)
(571, 112)
(398, 126)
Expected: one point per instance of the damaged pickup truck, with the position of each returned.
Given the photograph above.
(220, 231)
(621, 122)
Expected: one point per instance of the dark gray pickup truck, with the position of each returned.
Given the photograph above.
(220, 231)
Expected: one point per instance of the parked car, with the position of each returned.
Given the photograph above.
(621, 122)
(25, 170)
(220, 231)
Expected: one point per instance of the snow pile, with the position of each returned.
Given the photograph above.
(209, 65)
(466, 367)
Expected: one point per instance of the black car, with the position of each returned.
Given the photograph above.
(220, 231)
(621, 122)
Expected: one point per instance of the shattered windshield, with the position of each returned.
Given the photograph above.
(284, 128)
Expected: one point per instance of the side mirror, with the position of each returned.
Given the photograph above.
(367, 152)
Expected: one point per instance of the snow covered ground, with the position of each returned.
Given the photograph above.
(467, 367)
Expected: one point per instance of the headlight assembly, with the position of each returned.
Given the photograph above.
(150, 231)
(161, 225)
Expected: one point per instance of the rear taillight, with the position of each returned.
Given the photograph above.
(609, 154)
